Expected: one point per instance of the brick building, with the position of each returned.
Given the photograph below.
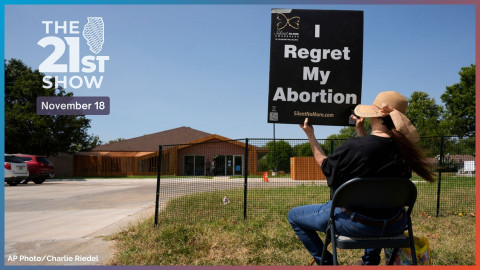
(185, 151)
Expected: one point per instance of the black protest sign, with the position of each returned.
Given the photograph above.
(315, 66)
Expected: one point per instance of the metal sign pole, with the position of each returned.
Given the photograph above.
(274, 153)
(159, 168)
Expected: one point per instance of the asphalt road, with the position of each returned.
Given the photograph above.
(63, 222)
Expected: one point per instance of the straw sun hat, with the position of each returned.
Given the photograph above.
(393, 104)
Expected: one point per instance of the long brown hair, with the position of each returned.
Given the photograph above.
(411, 155)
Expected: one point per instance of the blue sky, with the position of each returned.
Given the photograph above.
(206, 66)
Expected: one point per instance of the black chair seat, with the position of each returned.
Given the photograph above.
(345, 242)
(372, 193)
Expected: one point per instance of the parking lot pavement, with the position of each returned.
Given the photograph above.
(62, 222)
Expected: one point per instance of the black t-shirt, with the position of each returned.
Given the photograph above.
(368, 156)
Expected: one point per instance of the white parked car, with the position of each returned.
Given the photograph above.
(16, 170)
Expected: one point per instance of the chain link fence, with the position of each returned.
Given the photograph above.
(237, 179)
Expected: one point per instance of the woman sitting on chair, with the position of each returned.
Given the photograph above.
(388, 151)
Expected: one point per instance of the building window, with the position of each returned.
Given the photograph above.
(229, 165)
(194, 165)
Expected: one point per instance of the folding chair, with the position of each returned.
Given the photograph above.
(372, 193)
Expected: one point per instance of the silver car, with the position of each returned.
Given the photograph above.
(16, 170)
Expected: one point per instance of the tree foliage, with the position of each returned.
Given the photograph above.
(303, 150)
(425, 114)
(279, 154)
(28, 132)
(459, 102)
(116, 140)
(349, 132)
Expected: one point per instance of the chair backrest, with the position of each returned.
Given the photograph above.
(376, 193)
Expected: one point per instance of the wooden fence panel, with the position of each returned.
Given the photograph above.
(305, 168)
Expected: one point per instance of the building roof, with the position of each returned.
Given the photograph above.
(150, 142)
(460, 158)
(116, 154)
(455, 158)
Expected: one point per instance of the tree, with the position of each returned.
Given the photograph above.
(116, 140)
(28, 132)
(345, 133)
(280, 158)
(459, 102)
(425, 114)
(303, 150)
(91, 142)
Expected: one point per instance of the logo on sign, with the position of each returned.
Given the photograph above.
(94, 34)
(287, 27)
(284, 21)
(66, 57)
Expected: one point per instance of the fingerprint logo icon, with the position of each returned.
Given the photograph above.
(93, 32)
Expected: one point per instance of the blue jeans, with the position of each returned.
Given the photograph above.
(308, 219)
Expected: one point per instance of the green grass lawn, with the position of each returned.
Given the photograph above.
(199, 230)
